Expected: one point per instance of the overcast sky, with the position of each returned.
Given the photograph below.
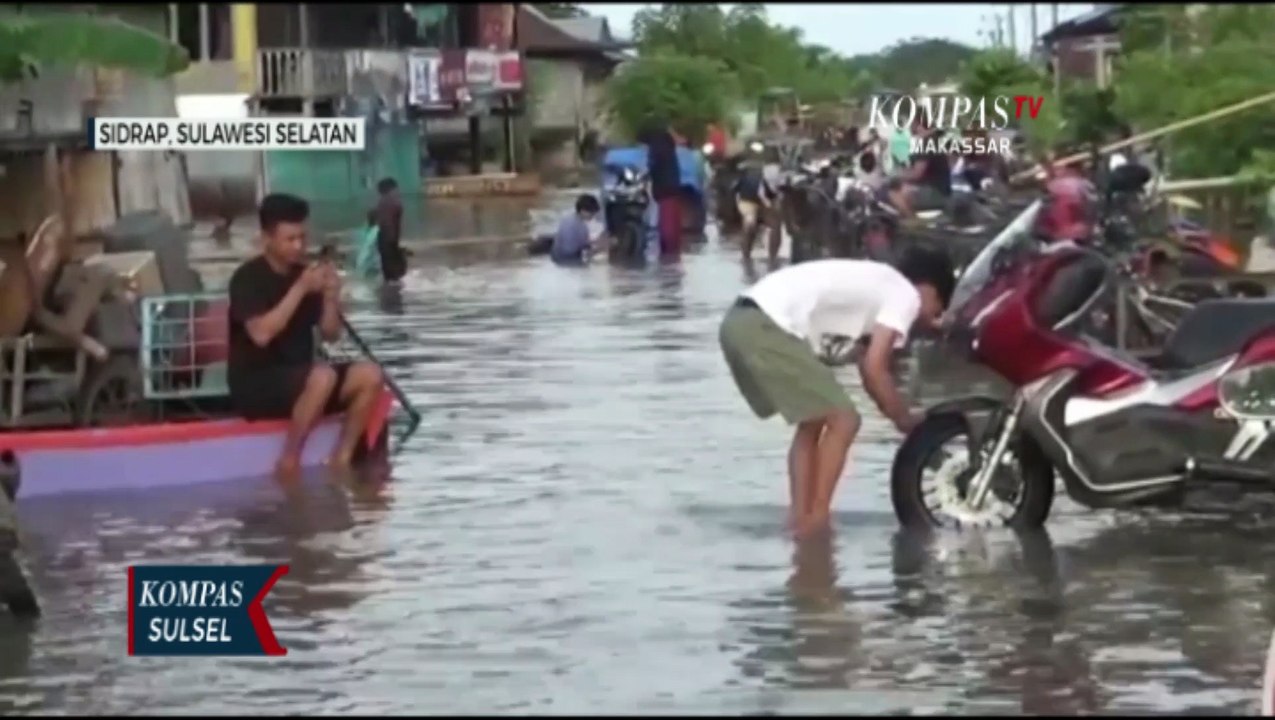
(854, 29)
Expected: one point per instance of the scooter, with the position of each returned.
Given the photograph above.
(625, 210)
(1119, 431)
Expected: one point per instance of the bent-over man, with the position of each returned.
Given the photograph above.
(766, 338)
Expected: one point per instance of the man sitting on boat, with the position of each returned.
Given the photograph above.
(276, 302)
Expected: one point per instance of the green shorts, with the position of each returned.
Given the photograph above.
(776, 371)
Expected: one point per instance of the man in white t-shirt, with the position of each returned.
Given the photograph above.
(769, 338)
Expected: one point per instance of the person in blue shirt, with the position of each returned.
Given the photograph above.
(571, 243)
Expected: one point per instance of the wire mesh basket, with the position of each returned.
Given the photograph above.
(184, 346)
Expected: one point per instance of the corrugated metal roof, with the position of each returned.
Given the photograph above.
(586, 35)
(1102, 20)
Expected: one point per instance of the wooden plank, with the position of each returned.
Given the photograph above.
(1152, 134)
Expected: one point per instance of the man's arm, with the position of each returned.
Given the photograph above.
(330, 324)
(874, 368)
(262, 325)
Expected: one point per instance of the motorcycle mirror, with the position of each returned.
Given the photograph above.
(1002, 260)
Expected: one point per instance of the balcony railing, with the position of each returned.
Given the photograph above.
(300, 73)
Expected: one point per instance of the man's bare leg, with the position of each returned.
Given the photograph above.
(319, 385)
(839, 432)
(775, 234)
(801, 468)
(363, 382)
(748, 229)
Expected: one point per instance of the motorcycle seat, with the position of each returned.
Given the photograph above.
(1214, 329)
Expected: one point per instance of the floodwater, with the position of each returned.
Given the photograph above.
(590, 520)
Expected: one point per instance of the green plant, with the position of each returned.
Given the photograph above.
(687, 92)
(29, 42)
(1184, 64)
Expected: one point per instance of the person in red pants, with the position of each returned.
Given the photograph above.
(666, 186)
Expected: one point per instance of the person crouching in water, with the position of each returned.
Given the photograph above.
(388, 216)
(572, 242)
(766, 340)
(277, 301)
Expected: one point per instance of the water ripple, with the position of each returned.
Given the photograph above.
(591, 521)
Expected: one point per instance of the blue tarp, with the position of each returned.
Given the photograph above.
(689, 162)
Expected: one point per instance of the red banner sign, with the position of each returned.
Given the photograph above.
(496, 26)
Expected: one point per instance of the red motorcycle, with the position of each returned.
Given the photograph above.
(1119, 431)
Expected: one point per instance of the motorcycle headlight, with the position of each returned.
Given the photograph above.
(756, 147)
(628, 175)
(707, 149)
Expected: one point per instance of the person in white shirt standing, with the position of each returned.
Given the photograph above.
(768, 338)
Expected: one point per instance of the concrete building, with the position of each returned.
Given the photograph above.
(43, 120)
(398, 66)
(568, 64)
(1085, 47)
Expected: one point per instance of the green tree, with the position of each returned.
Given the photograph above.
(685, 91)
(30, 42)
(999, 72)
(1217, 56)
(759, 54)
(906, 65)
(559, 11)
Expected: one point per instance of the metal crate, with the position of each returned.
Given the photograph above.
(171, 349)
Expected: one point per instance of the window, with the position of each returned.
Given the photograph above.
(205, 35)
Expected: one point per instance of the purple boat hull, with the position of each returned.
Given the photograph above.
(164, 455)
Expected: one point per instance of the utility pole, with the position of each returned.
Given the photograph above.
(1168, 59)
(1000, 31)
(1013, 34)
(1035, 32)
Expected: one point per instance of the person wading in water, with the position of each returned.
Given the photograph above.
(766, 340)
(389, 222)
(666, 187)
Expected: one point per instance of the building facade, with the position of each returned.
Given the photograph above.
(46, 116)
(398, 66)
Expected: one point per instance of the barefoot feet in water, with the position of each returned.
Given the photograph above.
(809, 526)
(340, 460)
(289, 466)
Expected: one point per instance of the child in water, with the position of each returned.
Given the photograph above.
(573, 242)
(388, 215)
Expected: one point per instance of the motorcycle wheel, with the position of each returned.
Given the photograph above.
(1027, 508)
(626, 244)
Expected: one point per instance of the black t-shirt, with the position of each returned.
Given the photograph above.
(749, 186)
(938, 172)
(255, 289)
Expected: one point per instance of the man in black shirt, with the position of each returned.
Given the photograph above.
(755, 200)
(276, 302)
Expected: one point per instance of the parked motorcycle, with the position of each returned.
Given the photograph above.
(806, 207)
(1119, 431)
(625, 209)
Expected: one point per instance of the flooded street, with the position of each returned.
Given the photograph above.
(590, 520)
